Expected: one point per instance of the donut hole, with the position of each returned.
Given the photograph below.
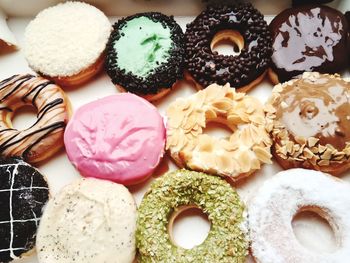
(313, 231)
(217, 130)
(188, 227)
(24, 117)
(227, 43)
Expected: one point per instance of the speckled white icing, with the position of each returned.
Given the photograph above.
(119, 138)
(89, 221)
(276, 203)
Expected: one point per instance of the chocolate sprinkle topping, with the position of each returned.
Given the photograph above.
(23, 194)
(165, 75)
(208, 67)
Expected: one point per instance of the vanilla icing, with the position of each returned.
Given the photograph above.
(89, 221)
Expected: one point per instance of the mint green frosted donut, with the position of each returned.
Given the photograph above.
(226, 241)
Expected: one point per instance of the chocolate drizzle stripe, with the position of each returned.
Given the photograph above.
(16, 87)
(39, 88)
(53, 126)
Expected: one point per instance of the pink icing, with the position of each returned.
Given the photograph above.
(119, 138)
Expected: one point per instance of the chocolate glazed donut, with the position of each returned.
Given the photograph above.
(308, 38)
(243, 25)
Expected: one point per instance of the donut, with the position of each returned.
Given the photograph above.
(247, 148)
(88, 221)
(66, 42)
(308, 38)
(275, 204)
(243, 25)
(23, 194)
(145, 54)
(176, 191)
(119, 138)
(45, 136)
(310, 123)
(308, 2)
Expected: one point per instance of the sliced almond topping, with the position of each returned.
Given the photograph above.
(262, 154)
(323, 163)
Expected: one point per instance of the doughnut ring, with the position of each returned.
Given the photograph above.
(281, 198)
(241, 154)
(45, 136)
(241, 24)
(226, 241)
(310, 123)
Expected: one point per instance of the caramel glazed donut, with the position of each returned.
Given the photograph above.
(310, 118)
(45, 136)
(243, 25)
(273, 207)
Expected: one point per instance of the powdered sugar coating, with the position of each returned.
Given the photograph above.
(65, 39)
(279, 200)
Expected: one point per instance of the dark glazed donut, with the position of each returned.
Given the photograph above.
(308, 38)
(243, 25)
(307, 2)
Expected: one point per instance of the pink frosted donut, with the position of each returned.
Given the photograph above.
(119, 138)
(276, 203)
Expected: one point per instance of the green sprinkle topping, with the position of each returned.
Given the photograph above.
(226, 241)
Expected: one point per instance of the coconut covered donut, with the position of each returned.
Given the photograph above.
(310, 123)
(66, 42)
(174, 192)
(276, 203)
(242, 153)
(45, 136)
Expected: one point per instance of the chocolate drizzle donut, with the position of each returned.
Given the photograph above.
(145, 53)
(45, 136)
(23, 194)
(251, 31)
(308, 38)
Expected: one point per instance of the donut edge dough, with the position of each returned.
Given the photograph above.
(59, 227)
(273, 207)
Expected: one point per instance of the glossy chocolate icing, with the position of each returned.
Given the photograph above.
(309, 38)
(317, 108)
(306, 2)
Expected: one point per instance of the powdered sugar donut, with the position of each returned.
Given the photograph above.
(281, 198)
(119, 138)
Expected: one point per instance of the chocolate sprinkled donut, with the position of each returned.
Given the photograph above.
(207, 67)
(23, 194)
(167, 48)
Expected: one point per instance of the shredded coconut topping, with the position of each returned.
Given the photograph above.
(65, 39)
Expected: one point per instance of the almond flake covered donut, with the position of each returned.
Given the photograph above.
(239, 155)
(281, 198)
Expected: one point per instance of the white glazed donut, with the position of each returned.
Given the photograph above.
(89, 221)
(281, 198)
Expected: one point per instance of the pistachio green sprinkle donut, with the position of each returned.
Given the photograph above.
(226, 241)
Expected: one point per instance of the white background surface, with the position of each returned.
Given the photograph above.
(192, 228)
